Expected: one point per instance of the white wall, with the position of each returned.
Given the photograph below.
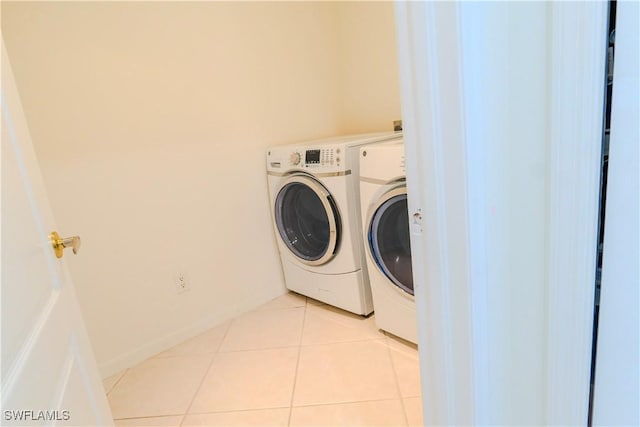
(151, 120)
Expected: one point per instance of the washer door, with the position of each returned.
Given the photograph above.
(307, 219)
(389, 239)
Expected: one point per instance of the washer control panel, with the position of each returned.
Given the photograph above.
(322, 157)
(295, 158)
(326, 158)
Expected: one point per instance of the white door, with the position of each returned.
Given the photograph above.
(49, 374)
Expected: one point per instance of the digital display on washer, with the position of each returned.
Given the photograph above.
(312, 156)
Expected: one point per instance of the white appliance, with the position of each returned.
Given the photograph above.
(383, 195)
(314, 196)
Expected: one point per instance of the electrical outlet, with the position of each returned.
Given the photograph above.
(182, 282)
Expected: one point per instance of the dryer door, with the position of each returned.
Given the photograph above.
(307, 219)
(389, 238)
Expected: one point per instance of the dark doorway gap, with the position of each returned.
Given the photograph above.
(611, 33)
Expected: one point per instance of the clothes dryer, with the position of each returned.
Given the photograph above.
(383, 196)
(315, 206)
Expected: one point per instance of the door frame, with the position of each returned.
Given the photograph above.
(445, 75)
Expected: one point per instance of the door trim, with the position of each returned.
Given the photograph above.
(422, 30)
(578, 54)
(447, 72)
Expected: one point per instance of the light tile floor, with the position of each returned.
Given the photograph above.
(291, 362)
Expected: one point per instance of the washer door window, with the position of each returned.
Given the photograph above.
(389, 239)
(308, 220)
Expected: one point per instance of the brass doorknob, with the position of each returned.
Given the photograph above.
(59, 243)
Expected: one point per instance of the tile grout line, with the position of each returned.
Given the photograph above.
(145, 417)
(204, 377)
(347, 402)
(395, 375)
(235, 348)
(232, 411)
(382, 338)
(279, 347)
(344, 342)
(295, 377)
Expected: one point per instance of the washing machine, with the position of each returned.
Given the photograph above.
(385, 219)
(315, 206)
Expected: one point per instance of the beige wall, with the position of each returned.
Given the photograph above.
(370, 89)
(151, 121)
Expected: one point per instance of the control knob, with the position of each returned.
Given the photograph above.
(295, 158)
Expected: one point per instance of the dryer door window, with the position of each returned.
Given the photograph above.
(307, 219)
(389, 241)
